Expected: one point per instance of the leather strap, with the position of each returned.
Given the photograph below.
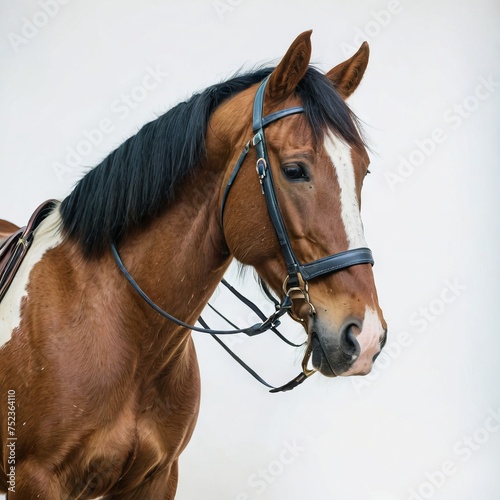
(336, 262)
(255, 309)
(311, 270)
(284, 388)
(230, 182)
(266, 180)
(15, 248)
(271, 322)
(277, 115)
(258, 106)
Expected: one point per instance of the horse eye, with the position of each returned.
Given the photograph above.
(295, 172)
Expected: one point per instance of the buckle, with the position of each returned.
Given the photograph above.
(304, 295)
(261, 168)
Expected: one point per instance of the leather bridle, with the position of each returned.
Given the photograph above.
(295, 285)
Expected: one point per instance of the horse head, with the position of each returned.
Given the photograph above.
(318, 161)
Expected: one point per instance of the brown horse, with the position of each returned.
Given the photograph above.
(99, 393)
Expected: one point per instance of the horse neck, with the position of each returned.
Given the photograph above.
(179, 258)
(183, 254)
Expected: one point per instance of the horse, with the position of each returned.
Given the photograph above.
(103, 392)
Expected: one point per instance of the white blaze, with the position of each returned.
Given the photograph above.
(340, 154)
(369, 343)
(47, 236)
(372, 330)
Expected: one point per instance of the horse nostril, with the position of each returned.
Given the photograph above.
(348, 342)
(383, 341)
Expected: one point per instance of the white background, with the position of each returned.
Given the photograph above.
(421, 425)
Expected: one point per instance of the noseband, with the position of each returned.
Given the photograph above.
(295, 285)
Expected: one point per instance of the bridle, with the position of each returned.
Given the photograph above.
(295, 285)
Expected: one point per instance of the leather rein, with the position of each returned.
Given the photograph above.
(295, 285)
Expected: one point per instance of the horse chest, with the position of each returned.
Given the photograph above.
(137, 444)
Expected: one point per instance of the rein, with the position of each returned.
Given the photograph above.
(270, 323)
(298, 275)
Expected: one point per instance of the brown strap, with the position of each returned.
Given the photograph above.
(14, 249)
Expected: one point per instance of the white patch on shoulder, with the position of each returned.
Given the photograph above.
(47, 236)
(340, 154)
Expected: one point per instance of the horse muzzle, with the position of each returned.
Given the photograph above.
(348, 350)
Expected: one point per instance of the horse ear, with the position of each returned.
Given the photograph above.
(291, 68)
(346, 76)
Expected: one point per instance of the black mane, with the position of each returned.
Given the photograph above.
(139, 178)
